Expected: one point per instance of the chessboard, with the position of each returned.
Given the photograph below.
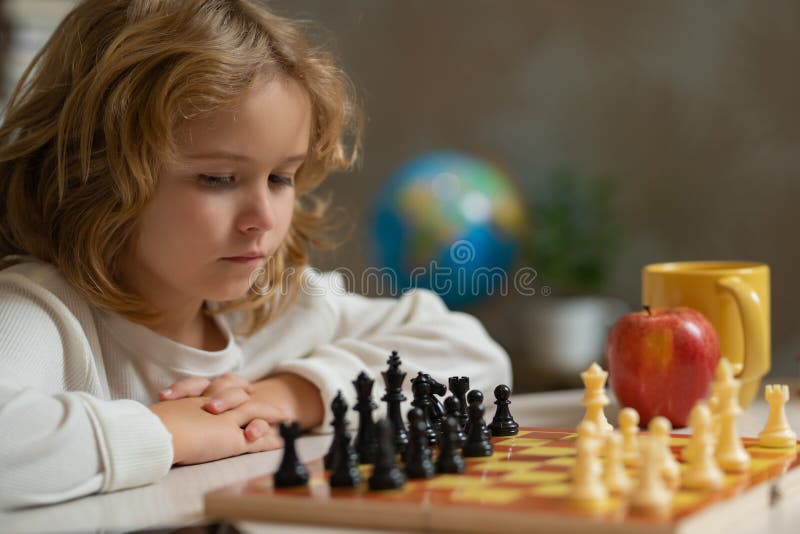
(524, 486)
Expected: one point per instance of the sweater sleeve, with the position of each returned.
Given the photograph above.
(428, 337)
(60, 444)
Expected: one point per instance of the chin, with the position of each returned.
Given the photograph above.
(228, 291)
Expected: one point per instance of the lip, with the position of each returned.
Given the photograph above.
(246, 259)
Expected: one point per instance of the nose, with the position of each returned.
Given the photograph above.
(257, 214)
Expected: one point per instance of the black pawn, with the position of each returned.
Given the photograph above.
(474, 396)
(345, 473)
(418, 454)
(366, 441)
(449, 460)
(343, 459)
(393, 379)
(502, 423)
(421, 389)
(291, 472)
(459, 385)
(385, 475)
(453, 409)
(339, 424)
(477, 443)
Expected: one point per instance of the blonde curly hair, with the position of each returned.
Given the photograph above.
(95, 116)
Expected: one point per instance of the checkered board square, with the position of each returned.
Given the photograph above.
(524, 485)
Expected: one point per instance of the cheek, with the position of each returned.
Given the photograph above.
(284, 212)
(179, 228)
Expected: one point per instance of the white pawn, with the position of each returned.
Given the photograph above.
(595, 398)
(587, 483)
(777, 432)
(693, 446)
(713, 400)
(629, 427)
(729, 453)
(651, 496)
(702, 471)
(659, 429)
(614, 475)
(586, 432)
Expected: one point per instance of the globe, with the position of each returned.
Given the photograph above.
(449, 222)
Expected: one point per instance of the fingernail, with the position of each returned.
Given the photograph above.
(166, 392)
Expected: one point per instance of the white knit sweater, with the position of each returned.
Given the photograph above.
(75, 380)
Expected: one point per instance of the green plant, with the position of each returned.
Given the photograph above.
(575, 235)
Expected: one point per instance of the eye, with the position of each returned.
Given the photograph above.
(284, 181)
(216, 181)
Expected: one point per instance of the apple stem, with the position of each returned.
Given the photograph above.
(647, 309)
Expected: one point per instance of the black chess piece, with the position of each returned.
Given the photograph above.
(449, 460)
(366, 444)
(421, 389)
(474, 395)
(502, 423)
(339, 424)
(344, 468)
(459, 385)
(418, 454)
(477, 443)
(291, 471)
(385, 475)
(436, 409)
(453, 409)
(393, 379)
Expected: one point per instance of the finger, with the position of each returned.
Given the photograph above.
(228, 381)
(258, 410)
(188, 387)
(270, 440)
(255, 429)
(226, 400)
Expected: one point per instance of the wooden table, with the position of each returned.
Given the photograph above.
(177, 500)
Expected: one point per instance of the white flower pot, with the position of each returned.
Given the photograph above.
(562, 336)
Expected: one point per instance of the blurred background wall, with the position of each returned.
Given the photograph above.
(689, 108)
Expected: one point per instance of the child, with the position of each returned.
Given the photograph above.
(156, 169)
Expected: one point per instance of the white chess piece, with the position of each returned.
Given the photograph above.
(730, 453)
(587, 483)
(629, 427)
(659, 429)
(615, 477)
(693, 446)
(595, 398)
(586, 432)
(702, 471)
(651, 496)
(777, 432)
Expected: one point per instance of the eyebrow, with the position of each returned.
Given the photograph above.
(224, 154)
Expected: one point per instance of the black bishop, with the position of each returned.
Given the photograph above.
(393, 379)
(366, 444)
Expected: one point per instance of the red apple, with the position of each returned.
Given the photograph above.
(662, 361)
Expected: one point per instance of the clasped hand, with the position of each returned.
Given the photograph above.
(226, 416)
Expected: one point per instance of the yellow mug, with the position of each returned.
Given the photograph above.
(734, 297)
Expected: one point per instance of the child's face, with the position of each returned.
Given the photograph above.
(225, 206)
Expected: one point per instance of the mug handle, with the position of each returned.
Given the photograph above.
(756, 352)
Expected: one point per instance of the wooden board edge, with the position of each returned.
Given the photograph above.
(362, 514)
(758, 499)
(474, 521)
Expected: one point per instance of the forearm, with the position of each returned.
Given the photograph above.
(69, 445)
(299, 399)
